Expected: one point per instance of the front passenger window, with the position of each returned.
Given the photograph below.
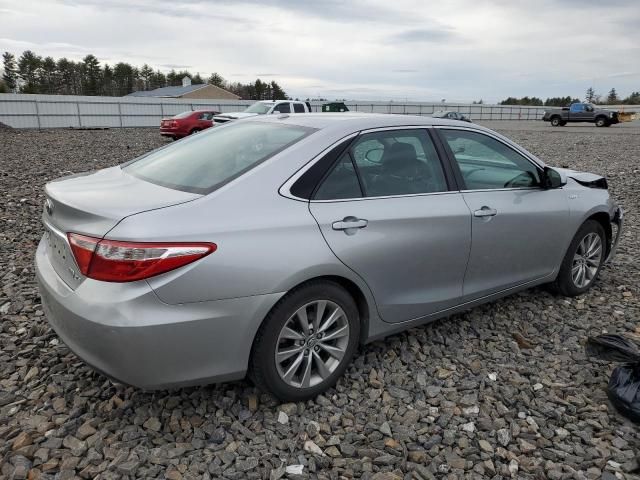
(487, 164)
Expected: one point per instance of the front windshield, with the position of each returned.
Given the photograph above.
(259, 108)
(204, 162)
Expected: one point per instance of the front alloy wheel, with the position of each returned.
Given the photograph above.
(586, 260)
(306, 342)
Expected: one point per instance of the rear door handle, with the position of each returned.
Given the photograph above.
(349, 222)
(485, 212)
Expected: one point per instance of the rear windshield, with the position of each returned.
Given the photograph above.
(206, 161)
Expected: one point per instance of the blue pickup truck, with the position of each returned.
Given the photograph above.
(581, 112)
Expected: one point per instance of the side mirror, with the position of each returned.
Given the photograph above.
(551, 178)
(374, 155)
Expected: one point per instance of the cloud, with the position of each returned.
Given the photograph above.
(461, 50)
(176, 66)
(423, 35)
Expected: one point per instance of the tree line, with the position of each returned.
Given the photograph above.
(32, 73)
(612, 98)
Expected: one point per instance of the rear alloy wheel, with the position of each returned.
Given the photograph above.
(601, 122)
(306, 342)
(195, 130)
(583, 260)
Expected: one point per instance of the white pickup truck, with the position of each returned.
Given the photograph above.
(265, 107)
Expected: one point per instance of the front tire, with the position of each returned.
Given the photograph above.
(583, 260)
(556, 122)
(601, 122)
(306, 342)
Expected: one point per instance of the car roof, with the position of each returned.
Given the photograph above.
(357, 120)
(276, 101)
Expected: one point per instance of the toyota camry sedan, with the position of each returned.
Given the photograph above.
(273, 246)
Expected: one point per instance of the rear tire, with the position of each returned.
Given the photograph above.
(583, 260)
(295, 362)
(556, 121)
(195, 130)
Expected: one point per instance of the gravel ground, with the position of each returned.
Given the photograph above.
(502, 391)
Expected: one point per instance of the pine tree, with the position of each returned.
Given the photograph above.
(146, 73)
(28, 69)
(633, 99)
(107, 81)
(612, 98)
(91, 75)
(124, 77)
(590, 96)
(48, 76)
(217, 80)
(10, 75)
(173, 80)
(158, 80)
(67, 77)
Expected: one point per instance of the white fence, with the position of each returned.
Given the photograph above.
(60, 111)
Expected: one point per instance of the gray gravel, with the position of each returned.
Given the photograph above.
(503, 391)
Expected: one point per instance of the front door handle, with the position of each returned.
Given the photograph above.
(348, 223)
(485, 212)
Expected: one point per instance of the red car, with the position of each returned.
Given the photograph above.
(186, 123)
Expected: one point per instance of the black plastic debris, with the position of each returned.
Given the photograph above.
(624, 384)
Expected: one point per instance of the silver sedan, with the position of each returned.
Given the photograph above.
(274, 246)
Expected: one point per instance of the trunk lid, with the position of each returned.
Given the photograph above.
(225, 117)
(92, 204)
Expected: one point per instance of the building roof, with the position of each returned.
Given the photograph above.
(178, 92)
(172, 92)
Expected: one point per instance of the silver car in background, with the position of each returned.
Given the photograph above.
(275, 245)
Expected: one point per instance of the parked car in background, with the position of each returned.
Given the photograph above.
(187, 123)
(276, 245)
(335, 107)
(265, 107)
(581, 112)
(451, 115)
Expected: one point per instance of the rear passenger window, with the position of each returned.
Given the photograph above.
(298, 108)
(341, 183)
(282, 108)
(398, 162)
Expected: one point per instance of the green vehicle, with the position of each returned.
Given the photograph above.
(334, 107)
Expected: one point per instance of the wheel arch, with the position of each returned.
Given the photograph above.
(603, 219)
(363, 303)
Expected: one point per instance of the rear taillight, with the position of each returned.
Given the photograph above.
(116, 261)
(174, 124)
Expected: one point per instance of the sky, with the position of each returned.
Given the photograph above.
(457, 50)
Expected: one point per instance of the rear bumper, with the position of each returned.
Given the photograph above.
(172, 132)
(127, 333)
